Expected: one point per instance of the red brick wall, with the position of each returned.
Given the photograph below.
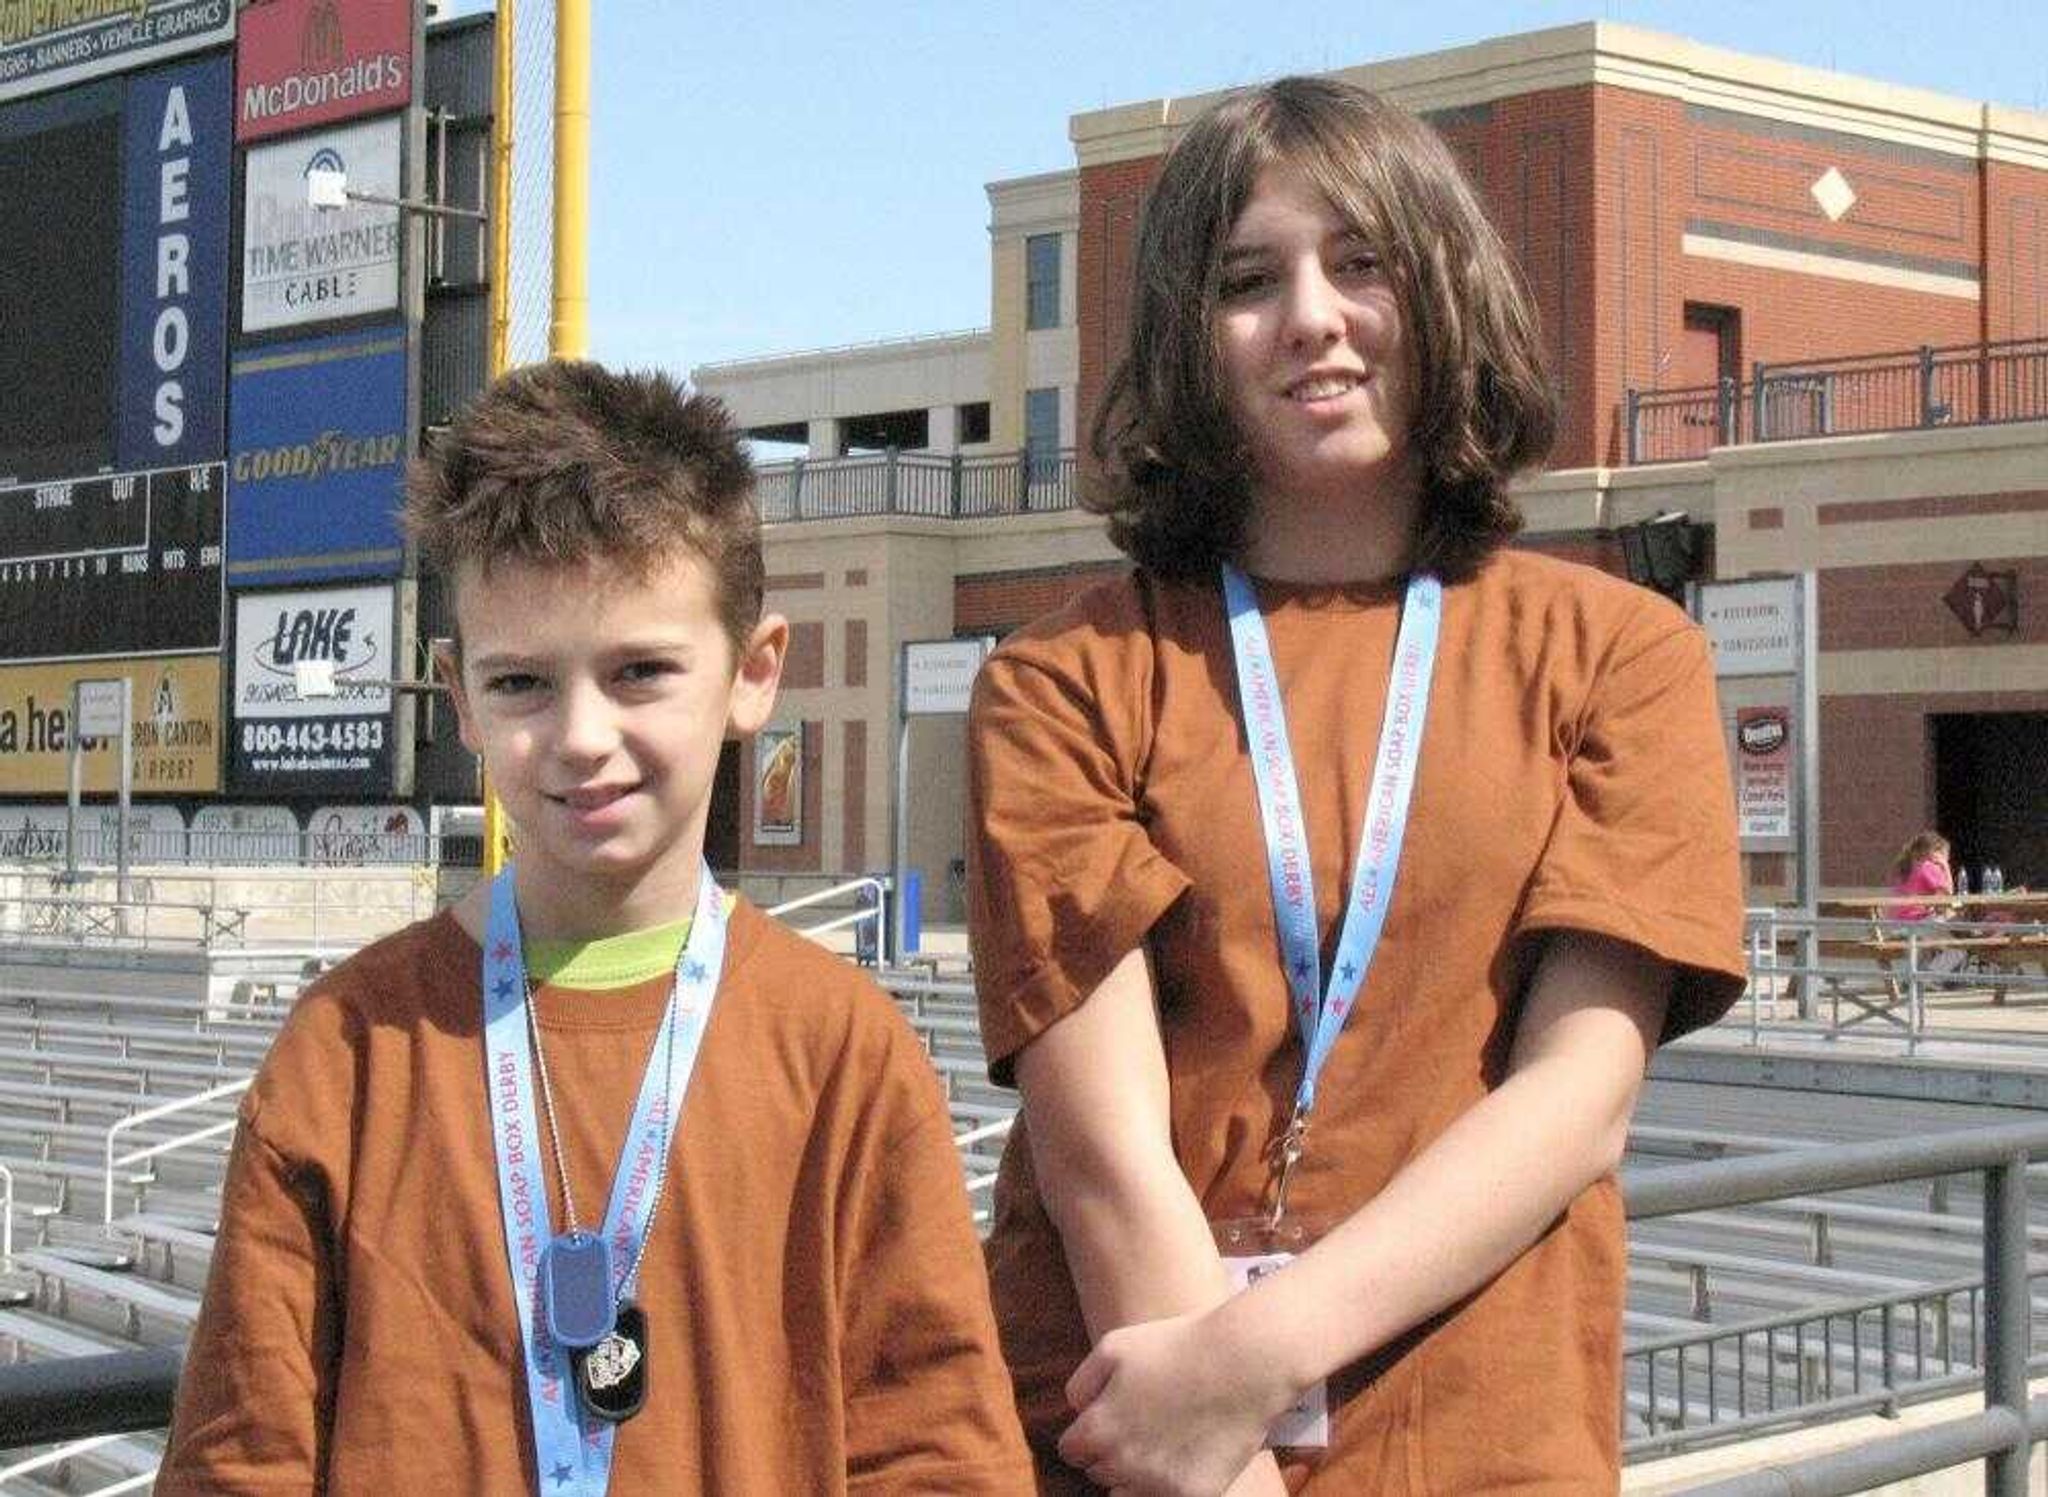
(2015, 251)
(1602, 551)
(1662, 167)
(854, 801)
(1111, 197)
(1900, 607)
(1877, 773)
(804, 667)
(997, 602)
(856, 652)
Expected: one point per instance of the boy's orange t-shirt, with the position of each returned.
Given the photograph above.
(817, 1308)
(1572, 776)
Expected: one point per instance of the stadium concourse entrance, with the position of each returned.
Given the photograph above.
(1991, 788)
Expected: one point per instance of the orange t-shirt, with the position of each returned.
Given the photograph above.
(817, 1310)
(1572, 775)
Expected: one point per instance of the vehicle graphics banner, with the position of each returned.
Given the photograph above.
(312, 62)
(317, 447)
(51, 43)
(286, 742)
(174, 277)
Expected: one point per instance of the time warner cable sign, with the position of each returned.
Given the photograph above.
(313, 62)
(303, 264)
(49, 43)
(285, 742)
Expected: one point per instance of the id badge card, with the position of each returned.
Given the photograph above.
(1251, 1248)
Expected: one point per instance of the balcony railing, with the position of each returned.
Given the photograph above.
(1970, 384)
(936, 486)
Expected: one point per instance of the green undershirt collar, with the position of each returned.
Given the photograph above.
(609, 961)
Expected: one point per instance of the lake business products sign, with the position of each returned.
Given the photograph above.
(341, 744)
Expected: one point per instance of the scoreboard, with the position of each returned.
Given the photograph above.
(116, 564)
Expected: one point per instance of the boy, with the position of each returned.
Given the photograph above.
(447, 1261)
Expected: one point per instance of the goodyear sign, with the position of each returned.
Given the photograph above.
(49, 43)
(175, 726)
(317, 448)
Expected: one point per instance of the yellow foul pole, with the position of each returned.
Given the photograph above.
(569, 321)
(569, 332)
(497, 837)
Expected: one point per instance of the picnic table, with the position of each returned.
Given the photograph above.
(1999, 933)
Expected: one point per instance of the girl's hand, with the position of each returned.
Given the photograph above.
(1172, 1408)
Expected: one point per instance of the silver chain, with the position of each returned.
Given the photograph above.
(547, 1112)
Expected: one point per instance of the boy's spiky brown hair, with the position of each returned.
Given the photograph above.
(562, 463)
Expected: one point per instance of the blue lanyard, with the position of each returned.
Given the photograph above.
(1319, 1013)
(573, 1451)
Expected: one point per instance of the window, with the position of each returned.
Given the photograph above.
(973, 422)
(1042, 432)
(1041, 281)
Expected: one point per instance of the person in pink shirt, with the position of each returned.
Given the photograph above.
(1922, 867)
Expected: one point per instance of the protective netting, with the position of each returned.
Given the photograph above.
(530, 282)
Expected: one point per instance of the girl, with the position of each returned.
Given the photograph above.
(1335, 871)
(1922, 867)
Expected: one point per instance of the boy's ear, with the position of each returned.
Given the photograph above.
(448, 666)
(758, 674)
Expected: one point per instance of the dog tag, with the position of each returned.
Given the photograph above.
(576, 1289)
(611, 1377)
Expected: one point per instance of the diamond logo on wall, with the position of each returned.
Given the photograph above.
(1834, 194)
(1985, 600)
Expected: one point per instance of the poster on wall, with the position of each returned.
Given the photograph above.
(35, 834)
(312, 62)
(175, 728)
(779, 787)
(356, 835)
(284, 742)
(302, 264)
(1763, 773)
(317, 447)
(243, 834)
(47, 45)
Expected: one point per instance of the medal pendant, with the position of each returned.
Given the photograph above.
(611, 1377)
(576, 1289)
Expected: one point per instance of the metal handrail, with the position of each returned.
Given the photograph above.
(1964, 384)
(86, 1399)
(2000, 1433)
(152, 1114)
(6, 1217)
(1768, 929)
(55, 1456)
(877, 911)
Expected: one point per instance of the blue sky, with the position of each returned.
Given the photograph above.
(788, 174)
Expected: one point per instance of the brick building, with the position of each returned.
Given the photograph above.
(1807, 312)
